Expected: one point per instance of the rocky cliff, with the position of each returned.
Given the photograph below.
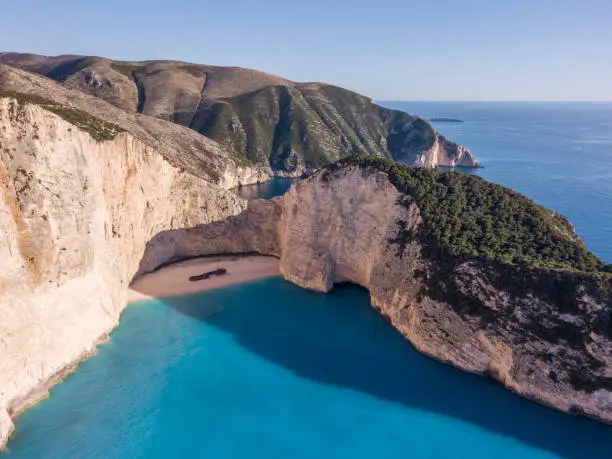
(79, 199)
(538, 322)
(260, 120)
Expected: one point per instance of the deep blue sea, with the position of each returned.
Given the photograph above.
(557, 153)
(267, 370)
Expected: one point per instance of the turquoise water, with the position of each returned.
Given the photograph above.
(267, 370)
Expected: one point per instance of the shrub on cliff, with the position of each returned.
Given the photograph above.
(466, 216)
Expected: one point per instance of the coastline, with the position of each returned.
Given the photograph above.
(43, 391)
(173, 279)
(170, 280)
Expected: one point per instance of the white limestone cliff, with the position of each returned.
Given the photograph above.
(75, 216)
(438, 155)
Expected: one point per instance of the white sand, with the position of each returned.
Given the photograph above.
(174, 279)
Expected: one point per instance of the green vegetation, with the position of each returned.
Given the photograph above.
(26, 98)
(268, 126)
(100, 130)
(95, 127)
(311, 126)
(465, 216)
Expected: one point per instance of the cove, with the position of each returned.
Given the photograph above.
(268, 370)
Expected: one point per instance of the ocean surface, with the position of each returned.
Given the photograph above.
(267, 370)
(557, 153)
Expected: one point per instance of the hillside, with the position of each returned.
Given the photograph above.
(182, 147)
(259, 119)
(467, 217)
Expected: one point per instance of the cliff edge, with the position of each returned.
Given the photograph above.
(79, 199)
(513, 294)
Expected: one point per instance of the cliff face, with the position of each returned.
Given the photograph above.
(545, 334)
(260, 120)
(75, 215)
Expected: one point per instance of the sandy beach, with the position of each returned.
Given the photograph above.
(174, 279)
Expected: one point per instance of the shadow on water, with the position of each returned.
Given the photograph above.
(338, 340)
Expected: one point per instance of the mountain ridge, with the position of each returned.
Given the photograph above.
(261, 120)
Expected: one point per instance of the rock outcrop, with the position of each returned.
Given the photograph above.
(261, 120)
(75, 216)
(544, 333)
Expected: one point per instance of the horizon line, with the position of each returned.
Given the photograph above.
(497, 100)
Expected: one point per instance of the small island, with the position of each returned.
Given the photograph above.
(445, 120)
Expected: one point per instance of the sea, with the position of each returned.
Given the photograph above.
(267, 370)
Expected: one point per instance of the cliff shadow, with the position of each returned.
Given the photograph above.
(338, 339)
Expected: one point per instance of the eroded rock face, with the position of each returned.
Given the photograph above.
(546, 335)
(75, 216)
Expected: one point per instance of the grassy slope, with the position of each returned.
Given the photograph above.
(313, 124)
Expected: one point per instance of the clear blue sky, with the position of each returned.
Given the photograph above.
(387, 49)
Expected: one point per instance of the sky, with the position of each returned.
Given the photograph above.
(386, 49)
